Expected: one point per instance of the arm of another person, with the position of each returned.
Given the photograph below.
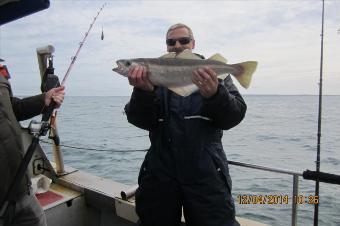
(32, 106)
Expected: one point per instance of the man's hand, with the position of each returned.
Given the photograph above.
(138, 77)
(56, 94)
(206, 80)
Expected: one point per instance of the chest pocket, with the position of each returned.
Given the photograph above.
(187, 123)
(189, 107)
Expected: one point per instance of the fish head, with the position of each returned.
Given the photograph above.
(123, 66)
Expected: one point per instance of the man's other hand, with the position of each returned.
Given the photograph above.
(138, 77)
(206, 80)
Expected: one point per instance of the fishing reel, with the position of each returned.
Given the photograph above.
(38, 128)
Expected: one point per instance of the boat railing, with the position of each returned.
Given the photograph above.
(281, 171)
(295, 175)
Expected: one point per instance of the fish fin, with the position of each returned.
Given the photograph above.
(218, 57)
(187, 54)
(223, 76)
(169, 55)
(184, 90)
(248, 68)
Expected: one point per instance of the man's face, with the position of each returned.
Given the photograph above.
(178, 36)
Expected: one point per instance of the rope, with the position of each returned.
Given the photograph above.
(94, 149)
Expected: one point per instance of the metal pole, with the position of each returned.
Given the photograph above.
(294, 202)
(316, 207)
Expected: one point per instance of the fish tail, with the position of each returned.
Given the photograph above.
(244, 78)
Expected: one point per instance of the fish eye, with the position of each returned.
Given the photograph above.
(128, 63)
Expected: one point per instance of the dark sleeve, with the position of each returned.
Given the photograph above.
(227, 107)
(142, 110)
(28, 107)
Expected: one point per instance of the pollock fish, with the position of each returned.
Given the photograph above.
(175, 71)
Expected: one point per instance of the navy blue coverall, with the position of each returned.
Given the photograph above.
(186, 165)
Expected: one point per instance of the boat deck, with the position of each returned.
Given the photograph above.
(82, 199)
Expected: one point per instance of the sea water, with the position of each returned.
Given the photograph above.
(278, 132)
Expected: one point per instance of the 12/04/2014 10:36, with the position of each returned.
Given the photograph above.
(275, 199)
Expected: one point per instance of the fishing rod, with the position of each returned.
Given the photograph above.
(74, 58)
(317, 175)
(54, 132)
(38, 129)
(81, 45)
(317, 182)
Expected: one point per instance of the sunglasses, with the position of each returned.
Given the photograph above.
(182, 41)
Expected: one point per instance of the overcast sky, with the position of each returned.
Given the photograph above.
(283, 36)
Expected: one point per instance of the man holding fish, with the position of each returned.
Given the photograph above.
(186, 166)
